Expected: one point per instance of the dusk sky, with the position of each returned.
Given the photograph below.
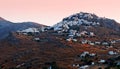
(50, 12)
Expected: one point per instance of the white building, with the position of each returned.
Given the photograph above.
(102, 61)
(112, 53)
(69, 39)
(75, 40)
(36, 39)
(84, 54)
(83, 33)
(92, 54)
(97, 42)
(105, 43)
(92, 34)
(84, 41)
(84, 67)
(72, 32)
(92, 43)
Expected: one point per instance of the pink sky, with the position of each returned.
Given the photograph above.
(50, 12)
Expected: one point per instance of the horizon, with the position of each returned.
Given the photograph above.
(50, 12)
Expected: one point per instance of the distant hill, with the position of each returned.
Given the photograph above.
(6, 27)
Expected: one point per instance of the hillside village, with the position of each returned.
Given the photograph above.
(80, 41)
(86, 59)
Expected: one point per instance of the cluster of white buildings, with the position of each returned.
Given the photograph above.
(103, 43)
(77, 19)
(88, 55)
(112, 53)
(80, 67)
(85, 53)
(31, 30)
(74, 33)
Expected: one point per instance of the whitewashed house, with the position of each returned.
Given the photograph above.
(36, 39)
(80, 21)
(112, 53)
(69, 39)
(84, 41)
(97, 42)
(92, 34)
(94, 23)
(77, 65)
(91, 43)
(57, 29)
(74, 65)
(105, 43)
(84, 67)
(72, 32)
(93, 63)
(98, 23)
(84, 54)
(65, 27)
(75, 40)
(42, 29)
(78, 34)
(83, 33)
(92, 54)
(70, 35)
(102, 61)
(113, 42)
